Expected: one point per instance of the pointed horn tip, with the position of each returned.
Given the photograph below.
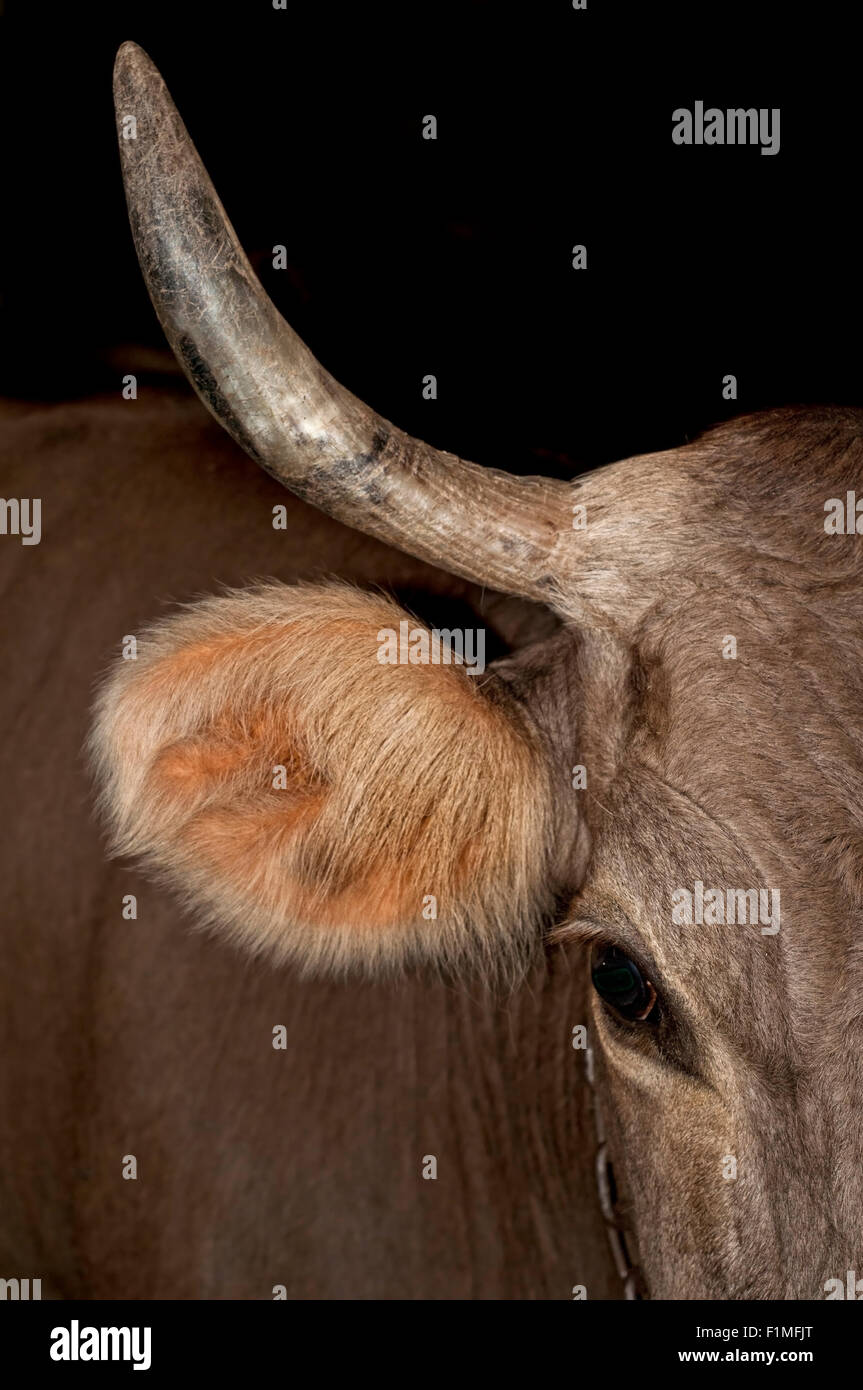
(132, 62)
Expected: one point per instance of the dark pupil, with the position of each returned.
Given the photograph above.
(618, 981)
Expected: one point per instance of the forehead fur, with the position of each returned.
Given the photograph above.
(739, 758)
(742, 504)
(743, 773)
(739, 766)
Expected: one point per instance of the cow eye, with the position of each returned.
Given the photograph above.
(622, 986)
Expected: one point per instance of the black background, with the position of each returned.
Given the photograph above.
(454, 257)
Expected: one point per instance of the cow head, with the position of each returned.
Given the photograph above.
(346, 811)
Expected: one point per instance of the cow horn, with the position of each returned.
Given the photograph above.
(262, 383)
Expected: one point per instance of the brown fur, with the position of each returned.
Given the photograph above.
(737, 771)
(256, 1167)
(742, 773)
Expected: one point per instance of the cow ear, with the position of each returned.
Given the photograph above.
(311, 798)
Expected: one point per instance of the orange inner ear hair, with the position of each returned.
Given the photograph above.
(309, 800)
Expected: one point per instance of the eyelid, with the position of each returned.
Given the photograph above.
(583, 929)
(587, 931)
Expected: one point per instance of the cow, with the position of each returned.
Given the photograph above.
(418, 887)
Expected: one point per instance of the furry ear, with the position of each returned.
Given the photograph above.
(312, 802)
